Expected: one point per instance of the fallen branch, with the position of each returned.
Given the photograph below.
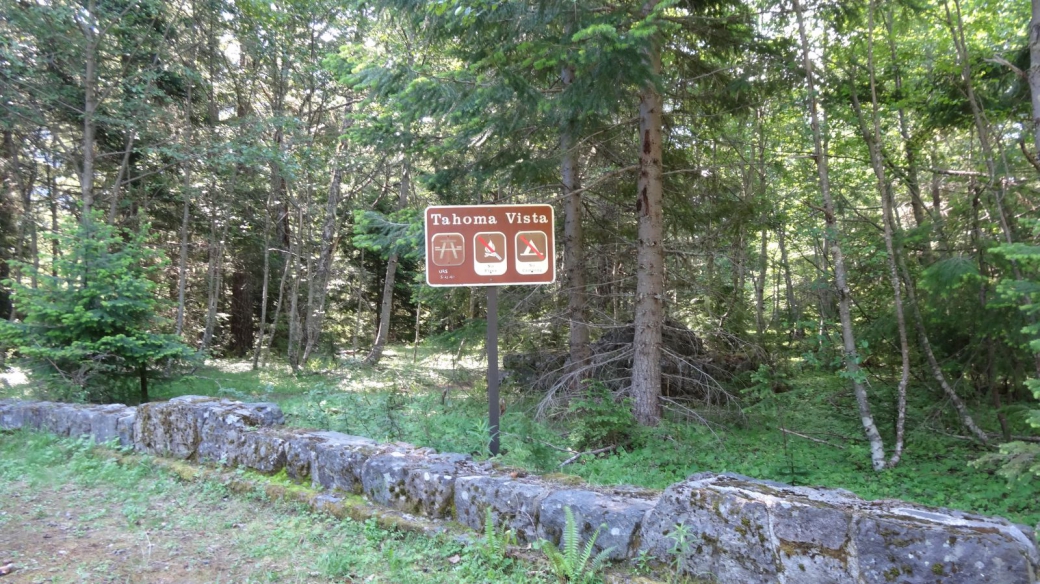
(817, 440)
(589, 452)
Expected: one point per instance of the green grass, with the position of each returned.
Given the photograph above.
(102, 521)
(435, 402)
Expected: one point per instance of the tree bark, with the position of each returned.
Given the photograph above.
(386, 306)
(573, 249)
(852, 368)
(649, 301)
(215, 276)
(793, 314)
(266, 283)
(90, 104)
(760, 285)
(1034, 72)
(182, 260)
(319, 283)
(872, 137)
(296, 249)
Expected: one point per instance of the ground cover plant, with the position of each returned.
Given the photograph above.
(70, 514)
(806, 435)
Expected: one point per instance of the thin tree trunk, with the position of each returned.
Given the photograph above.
(793, 314)
(318, 285)
(1034, 73)
(649, 300)
(360, 304)
(182, 261)
(266, 284)
(872, 136)
(852, 368)
(90, 105)
(290, 263)
(573, 249)
(113, 202)
(933, 363)
(760, 285)
(296, 249)
(215, 277)
(909, 149)
(388, 283)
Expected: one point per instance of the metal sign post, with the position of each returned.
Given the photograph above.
(490, 245)
(494, 409)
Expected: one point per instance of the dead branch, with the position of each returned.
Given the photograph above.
(588, 452)
(810, 438)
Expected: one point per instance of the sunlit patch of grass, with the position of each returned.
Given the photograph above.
(144, 523)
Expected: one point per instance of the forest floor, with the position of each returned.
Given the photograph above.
(71, 513)
(808, 435)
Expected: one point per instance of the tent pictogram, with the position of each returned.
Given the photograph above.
(532, 252)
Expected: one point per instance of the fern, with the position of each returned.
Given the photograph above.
(572, 564)
(494, 547)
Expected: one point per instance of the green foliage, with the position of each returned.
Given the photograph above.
(574, 564)
(599, 420)
(494, 546)
(1019, 459)
(400, 232)
(94, 327)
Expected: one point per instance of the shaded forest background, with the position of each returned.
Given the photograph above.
(848, 187)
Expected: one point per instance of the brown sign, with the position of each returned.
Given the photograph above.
(490, 245)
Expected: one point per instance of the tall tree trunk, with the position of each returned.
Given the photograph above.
(852, 368)
(911, 177)
(649, 301)
(319, 283)
(290, 263)
(124, 170)
(182, 260)
(215, 274)
(90, 105)
(933, 363)
(872, 137)
(266, 283)
(241, 323)
(355, 344)
(793, 314)
(386, 306)
(573, 249)
(297, 249)
(1034, 73)
(760, 285)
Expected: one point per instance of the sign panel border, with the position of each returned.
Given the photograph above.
(511, 277)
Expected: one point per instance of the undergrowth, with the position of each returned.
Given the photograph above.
(807, 434)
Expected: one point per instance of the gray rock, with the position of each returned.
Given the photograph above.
(113, 422)
(431, 482)
(743, 530)
(513, 503)
(942, 548)
(415, 480)
(622, 518)
(382, 481)
(332, 460)
(193, 427)
(16, 414)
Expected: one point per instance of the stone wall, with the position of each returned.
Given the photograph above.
(737, 529)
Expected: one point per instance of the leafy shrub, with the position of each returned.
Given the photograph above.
(600, 420)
